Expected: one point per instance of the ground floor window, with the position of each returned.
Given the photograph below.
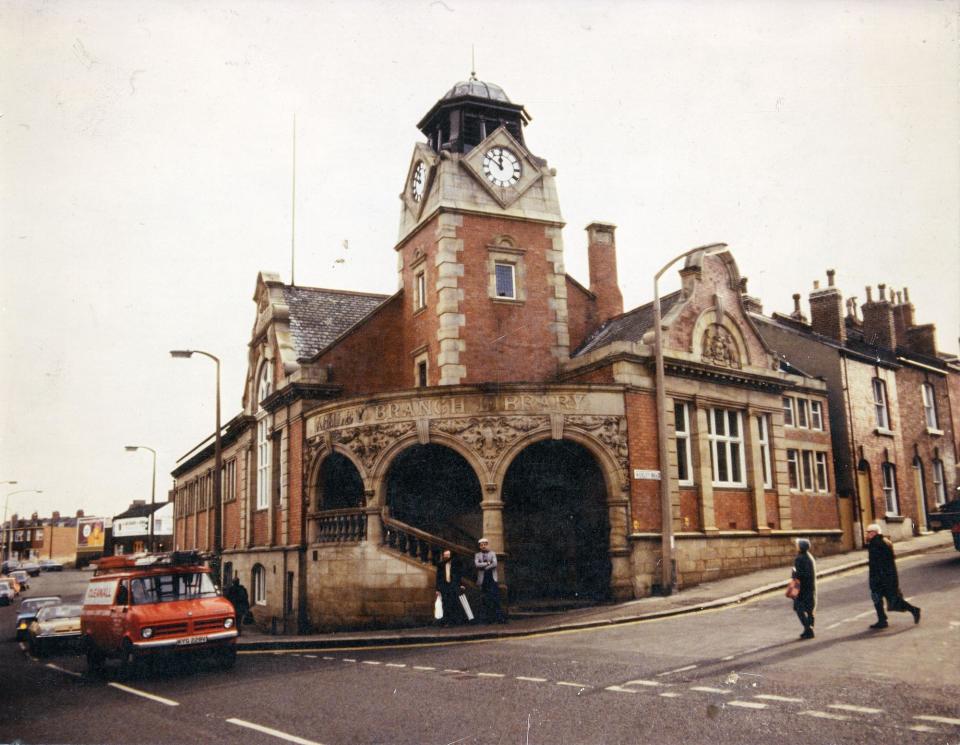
(889, 473)
(939, 485)
(259, 585)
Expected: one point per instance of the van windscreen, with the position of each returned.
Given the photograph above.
(165, 588)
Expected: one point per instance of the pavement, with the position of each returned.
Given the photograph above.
(720, 593)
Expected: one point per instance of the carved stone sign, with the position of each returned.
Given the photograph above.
(719, 347)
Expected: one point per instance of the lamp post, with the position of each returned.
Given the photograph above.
(217, 457)
(6, 505)
(668, 577)
(153, 485)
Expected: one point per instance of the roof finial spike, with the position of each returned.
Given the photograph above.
(473, 64)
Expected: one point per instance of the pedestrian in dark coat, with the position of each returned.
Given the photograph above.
(449, 588)
(485, 561)
(805, 572)
(237, 595)
(884, 582)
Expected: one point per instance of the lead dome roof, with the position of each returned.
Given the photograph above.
(478, 89)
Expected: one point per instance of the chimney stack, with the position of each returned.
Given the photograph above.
(826, 310)
(56, 516)
(602, 257)
(797, 314)
(879, 328)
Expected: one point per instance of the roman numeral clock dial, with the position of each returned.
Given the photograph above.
(501, 166)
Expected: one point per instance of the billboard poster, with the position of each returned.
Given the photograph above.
(90, 533)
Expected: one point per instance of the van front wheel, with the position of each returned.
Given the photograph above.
(129, 660)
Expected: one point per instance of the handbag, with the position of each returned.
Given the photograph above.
(466, 607)
(438, 608)
(793, 589)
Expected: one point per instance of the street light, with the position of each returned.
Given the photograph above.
(668, 577)
(153, 484)
(6, 505)
(217, 457)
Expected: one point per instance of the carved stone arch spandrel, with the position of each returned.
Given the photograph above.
(489, 437)
(369, 443)
(717, 339)
(316, 452)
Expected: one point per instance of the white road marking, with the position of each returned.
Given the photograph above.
(852, 618)
(64, 670)
(670, 694)
(939, 720)
(623, 688)
(727, 658)
(491, 675)
(785, 699)
(572, 685)
(747, 704)
(825, 715)
(273, 732)
(395, 664)
(532, 680)
(348, 659)
(135, 692)
(329, 658)
(369, 662)
(310, 656)
(678, 670)
(924, 728)
(857, 709)
(423, 667)
(449, 670)
(708, 689)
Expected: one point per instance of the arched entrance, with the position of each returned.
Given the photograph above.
(433, 488)
(556, 524)
(340, 485)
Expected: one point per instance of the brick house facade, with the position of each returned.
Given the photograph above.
(494, 395)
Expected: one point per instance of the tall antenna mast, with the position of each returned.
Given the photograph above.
(293, 206)
(473, 64)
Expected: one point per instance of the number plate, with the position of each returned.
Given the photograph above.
(191, 640)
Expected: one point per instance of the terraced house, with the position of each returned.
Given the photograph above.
(493, 394)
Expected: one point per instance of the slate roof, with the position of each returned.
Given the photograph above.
(140, 510)
(629, 326)
(319, 317)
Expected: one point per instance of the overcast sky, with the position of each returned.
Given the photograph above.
(145, 177)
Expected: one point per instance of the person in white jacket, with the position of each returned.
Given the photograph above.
(485, 561)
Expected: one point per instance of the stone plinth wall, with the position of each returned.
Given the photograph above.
(364, 586)
(702, 559)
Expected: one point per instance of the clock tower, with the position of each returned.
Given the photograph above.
(480, 252)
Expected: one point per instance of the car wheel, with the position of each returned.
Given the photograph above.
(129, 660)
(95, 658)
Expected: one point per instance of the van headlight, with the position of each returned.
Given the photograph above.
(146, 632)
(228, 623)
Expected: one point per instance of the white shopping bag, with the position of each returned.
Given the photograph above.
(466, 607)
(438, 608)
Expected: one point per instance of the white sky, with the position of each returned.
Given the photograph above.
(145, 177)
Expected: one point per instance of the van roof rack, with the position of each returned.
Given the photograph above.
(123, 562)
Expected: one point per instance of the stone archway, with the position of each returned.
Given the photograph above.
(433, 488)
(556, 524)
(339, 485)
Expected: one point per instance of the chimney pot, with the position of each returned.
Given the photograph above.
(816, 284)
(830, 275)
(796, 301)
(869, 294)
(906, 294)
(883, 292)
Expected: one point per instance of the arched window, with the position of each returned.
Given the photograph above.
(264, 389)
(259, 584)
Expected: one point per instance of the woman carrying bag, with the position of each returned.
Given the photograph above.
(805, 594)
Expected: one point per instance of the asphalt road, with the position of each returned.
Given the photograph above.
(736, 675)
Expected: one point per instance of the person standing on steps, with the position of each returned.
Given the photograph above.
(485, 561)
(884, 582)
(805, 571)
(449, 588)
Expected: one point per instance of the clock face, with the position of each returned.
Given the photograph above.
(418, 181)
(501, 167)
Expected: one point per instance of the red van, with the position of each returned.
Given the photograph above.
(142, 605)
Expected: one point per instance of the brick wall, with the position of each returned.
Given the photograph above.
(581, 313)
(733, 509)
(641, 413)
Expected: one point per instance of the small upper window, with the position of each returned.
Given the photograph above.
(929, 406)
(506, 285)
(939, 485)
(420, 291)
(816, 415)
(802, 412)
(681, 416)
(763, 430)
(889, 473)
(880, 403)
(788, 411)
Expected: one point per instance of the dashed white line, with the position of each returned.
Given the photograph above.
(423, 667)
(531, 680)
(310, 656)
(329, 658)
(825, 715)
(924, 728)
(450, 670)
(64, 670)
(709, 689)
(784, 699)
(273, 732)
(369, 662)
(144, 694)
(491, 675)
(348, 659)
(939, 720)
(572, 685)
(747, 704)
(670, 694)
(857, 709)
(727, 658)
(395, 664)
(678, 670)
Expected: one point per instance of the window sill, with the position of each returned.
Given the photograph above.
(730, 486)
(507, 300)
(894, 518)
(883, 432)
(934, 432)
(419, 311)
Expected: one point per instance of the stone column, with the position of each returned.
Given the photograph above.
(372, 511)
(492, 506)
(621, 571)
(755, 468)
(704, 471)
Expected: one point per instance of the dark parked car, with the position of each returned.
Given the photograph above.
(49, 565)
(22, 577)
(9, 565)
(32, 568)
(28, 611)
(7, 591)
(947, 518)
